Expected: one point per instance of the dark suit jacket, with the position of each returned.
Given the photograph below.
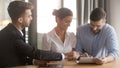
(14, 51)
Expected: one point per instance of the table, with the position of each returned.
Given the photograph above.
(72, 64)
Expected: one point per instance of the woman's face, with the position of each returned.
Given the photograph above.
(64, 23)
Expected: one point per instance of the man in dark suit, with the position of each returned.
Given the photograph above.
(13, 49)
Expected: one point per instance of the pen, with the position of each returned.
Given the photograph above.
(85, 54)
(84, 51)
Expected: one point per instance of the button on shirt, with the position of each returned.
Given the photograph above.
(97, 45)
(52, 42)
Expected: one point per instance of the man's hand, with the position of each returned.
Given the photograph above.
(85, 54)
(77, 54)
(101, 60)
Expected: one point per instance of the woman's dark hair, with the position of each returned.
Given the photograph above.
(97, 14)
(62, 13)
(17, 8)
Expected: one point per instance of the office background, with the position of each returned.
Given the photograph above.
(43, 21)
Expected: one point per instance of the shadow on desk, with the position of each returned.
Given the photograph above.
(37, 66)
(72, 64)
(44, 64)
(52, 66)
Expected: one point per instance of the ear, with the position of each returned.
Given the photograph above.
(20, 20)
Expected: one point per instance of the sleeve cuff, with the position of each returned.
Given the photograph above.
(63, 56)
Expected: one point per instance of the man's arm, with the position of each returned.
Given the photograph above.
(103, 60)
(112, 46)
(78, 47)
(48, 56)
(28, 50)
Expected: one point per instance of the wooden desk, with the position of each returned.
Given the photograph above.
(72, 64)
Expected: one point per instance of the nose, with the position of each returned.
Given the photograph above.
(69, 24)
(31, 18)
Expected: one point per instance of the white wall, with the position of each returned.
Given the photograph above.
(115, 15)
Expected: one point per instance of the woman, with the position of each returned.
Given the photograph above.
(59, 40)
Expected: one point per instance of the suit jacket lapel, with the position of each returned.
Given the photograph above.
(17, 31)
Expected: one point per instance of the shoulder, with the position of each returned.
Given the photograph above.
(52, 32)
(48, 35)
(84, 27)
(109, 28)
(70, 34)
(9, 30)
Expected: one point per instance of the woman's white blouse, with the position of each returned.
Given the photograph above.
(51, 42)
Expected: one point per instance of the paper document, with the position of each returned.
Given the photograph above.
(85, 60)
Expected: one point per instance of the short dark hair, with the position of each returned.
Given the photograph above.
(97, 14)
(17, 8)
(62, 13)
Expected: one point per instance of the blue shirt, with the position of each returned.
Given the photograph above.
(103, 44)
